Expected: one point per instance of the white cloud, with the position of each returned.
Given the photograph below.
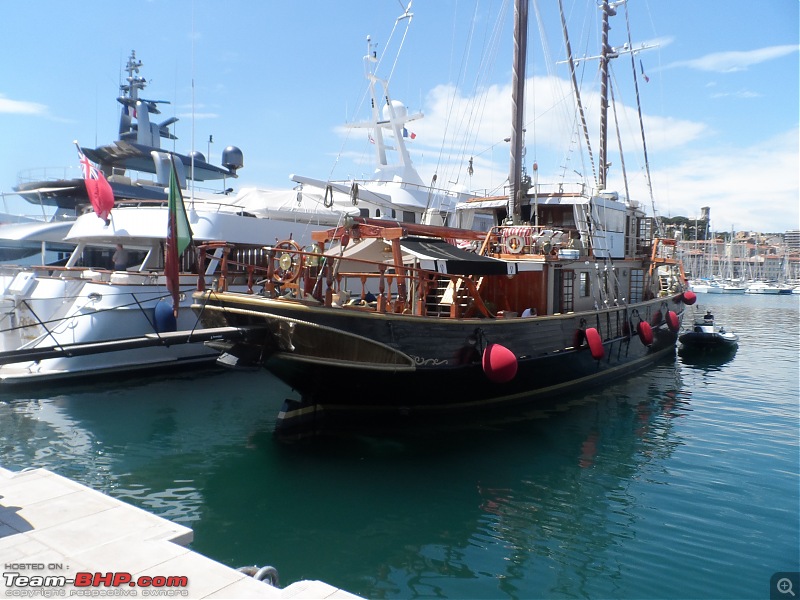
(727, 62)
(21, 107)
(750, 188)
(554, 138)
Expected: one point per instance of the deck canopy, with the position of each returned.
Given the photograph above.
(447, 258)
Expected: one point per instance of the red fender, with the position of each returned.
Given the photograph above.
(595, 343)
(688, 297)
(499, 363)
(645, 332)
(656, 318)
(673, 322)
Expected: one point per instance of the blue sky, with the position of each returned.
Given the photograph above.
(279, 78)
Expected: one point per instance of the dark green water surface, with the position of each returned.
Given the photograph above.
(679, 483)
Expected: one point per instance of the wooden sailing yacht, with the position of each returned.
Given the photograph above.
(385, 322)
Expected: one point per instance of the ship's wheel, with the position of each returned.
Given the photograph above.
(288, 262)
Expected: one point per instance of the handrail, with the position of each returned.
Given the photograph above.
(417, 279)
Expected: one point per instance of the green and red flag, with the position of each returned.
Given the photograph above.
(179, 237)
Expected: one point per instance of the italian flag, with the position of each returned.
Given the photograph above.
(179, 236)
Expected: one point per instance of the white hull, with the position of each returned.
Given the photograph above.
(44, 308)
(717, 289)
(763, 288)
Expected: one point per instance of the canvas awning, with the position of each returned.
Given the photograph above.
(439, 256)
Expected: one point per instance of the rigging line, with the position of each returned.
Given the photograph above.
(473, 111)
(454, 89)
(659, 227)
(547, 61)
(366, 93)
(574, 79)
(470, 113)
(386, 48)
(619, 141)
(74, 316)
(408, 16)
(481, 90)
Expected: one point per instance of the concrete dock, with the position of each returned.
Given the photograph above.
(60, 538)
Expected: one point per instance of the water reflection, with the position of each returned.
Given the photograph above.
(710, 360)
(490, 505)
(149, 442)
(614, 493)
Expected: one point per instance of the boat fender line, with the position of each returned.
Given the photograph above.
(645, 333)
(266, 574)
(327, 202)
(657, 317)
(688, 297)
(499, 363)
(515, 244)
(673, 322)
(354, 193)
(595, 343)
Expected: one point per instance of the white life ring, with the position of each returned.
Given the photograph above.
(515, 244)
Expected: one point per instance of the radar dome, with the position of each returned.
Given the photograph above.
(400, 111)
(197, 155)
(232, 158)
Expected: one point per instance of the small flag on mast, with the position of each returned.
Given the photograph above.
(646, 78)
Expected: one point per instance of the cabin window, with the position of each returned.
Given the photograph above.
(363, 212)
(377, 213)
(408, 217)
(584, 285)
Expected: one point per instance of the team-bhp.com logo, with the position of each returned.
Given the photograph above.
(113, 583)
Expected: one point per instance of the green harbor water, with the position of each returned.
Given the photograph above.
(681, 482)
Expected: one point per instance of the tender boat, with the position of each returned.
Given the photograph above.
(706, 335)
(388, 323)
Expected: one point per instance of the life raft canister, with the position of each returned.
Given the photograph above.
(499, 363)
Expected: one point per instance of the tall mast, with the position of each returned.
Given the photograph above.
(517, 109)
(605, 55)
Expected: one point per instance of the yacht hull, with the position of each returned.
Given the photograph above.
(356, 367)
